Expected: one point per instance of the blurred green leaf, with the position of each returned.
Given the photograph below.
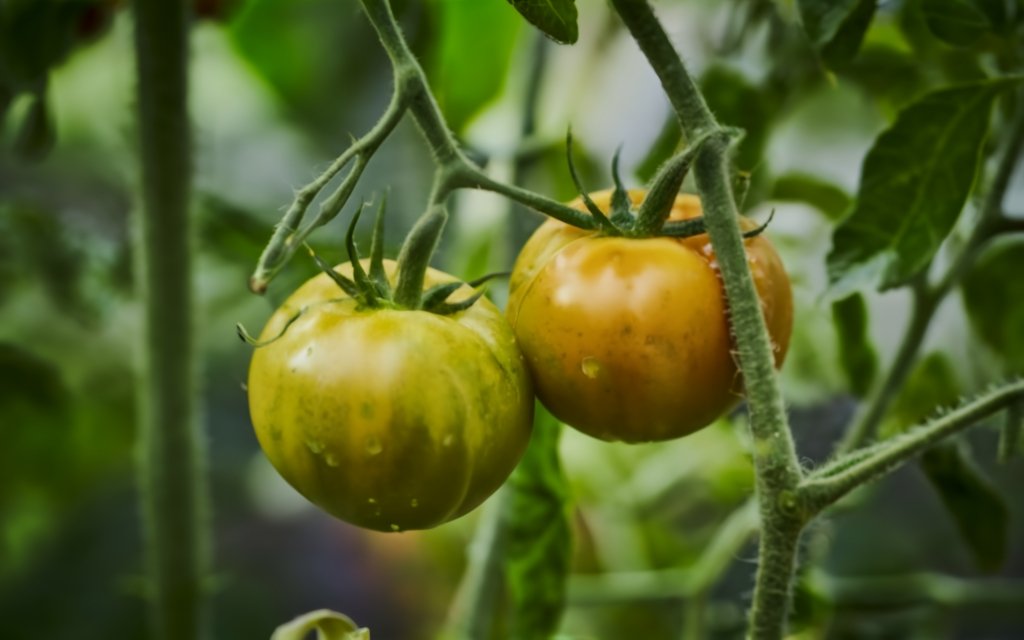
(978, 510)
(539, 536)
(37, 135)
(329, 625)
(993, 294)
(836, 27)
(914, 181)
(464, 80)
(976, 505)
(814, 191)
(957, 22)
(556, 18)
(738, 103)
(856, 355)
(888, 72)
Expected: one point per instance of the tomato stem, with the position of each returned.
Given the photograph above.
(172, 476)
(778, 470)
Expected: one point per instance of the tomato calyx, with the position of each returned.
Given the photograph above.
(649, 219)
(370, 285)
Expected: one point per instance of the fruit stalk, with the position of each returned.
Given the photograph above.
(171, 473)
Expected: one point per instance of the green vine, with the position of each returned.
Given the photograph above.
(787, 498)
(171, 464)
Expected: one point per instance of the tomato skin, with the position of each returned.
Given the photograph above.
(627, 339)
(390, 419)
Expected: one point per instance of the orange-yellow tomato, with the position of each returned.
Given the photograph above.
(627, 339)
(390, 419)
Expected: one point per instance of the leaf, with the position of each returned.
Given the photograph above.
(975, 505)
(993, 294)
(957, 22)
(856, 355)
(814, 191)
(556, 18)
(328, 625)
(463, 79)
(37, 135)
(539, 538)
(914, 181)
(836, 28)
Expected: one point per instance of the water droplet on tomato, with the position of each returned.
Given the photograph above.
(331, 460)
(414, 503)
(590, 367)
(315, 446)
(395, 527)
(449, 440)
(371, 501)
(374, 447)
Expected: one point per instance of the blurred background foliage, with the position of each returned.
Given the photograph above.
(278, 88)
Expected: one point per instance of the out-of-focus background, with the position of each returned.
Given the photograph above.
(278, 88)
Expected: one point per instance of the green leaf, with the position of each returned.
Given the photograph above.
(914, 182)
(328, 625)
(836, 27)
(856, 355)
(464, 80)
(975, 504)
(993, 294)
(37, 135)
(556, 18)
(814, 191)
(957, 22)
(539, 537)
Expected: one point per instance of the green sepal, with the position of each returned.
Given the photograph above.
(621, 214)
(448, 308)
(415, 256)
(377, 273)
(434, 298)
(695, 227)
(368, 293)
(662, 192)
(253, 342)
(1009, 436)
(438, 293)
(740, 188)
(346, 285)
(603, 223)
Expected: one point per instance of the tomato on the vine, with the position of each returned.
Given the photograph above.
(627, 339)
(387, 418)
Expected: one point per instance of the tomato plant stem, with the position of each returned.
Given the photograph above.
(775, 459)
(831, 482)
(172, 476)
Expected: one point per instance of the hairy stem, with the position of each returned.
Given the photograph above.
(172, 475)
(778, 471)
(829, 485)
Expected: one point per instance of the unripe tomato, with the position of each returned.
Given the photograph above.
(627, 339)
(390, 419)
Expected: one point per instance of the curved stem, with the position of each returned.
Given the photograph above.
(834, 481)
(171, 470)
